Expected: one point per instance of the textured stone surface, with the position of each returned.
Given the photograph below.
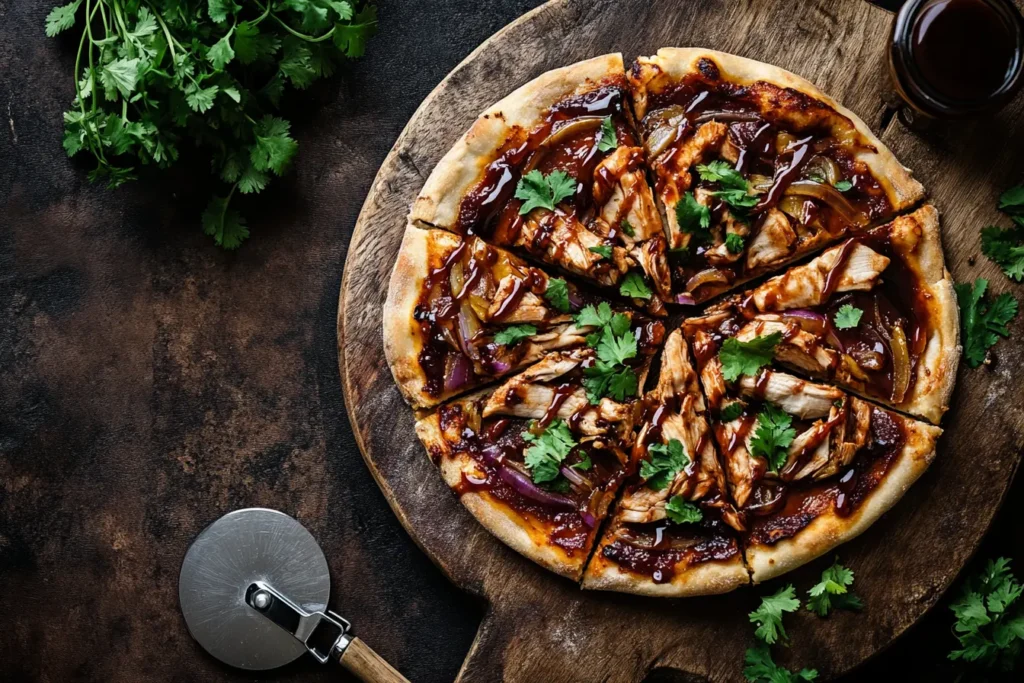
(149, 382)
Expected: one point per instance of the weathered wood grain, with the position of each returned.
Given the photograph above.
(540, 627)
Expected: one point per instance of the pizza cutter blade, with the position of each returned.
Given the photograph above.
(254, 588)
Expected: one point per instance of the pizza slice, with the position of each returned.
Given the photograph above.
(460, 313)
(674, 531)
(875, 314)
(809, 466)
(537, 460)
(554, 170)
(755, 167)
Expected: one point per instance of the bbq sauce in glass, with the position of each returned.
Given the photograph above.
(957, 58)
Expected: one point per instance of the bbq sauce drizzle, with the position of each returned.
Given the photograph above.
(705, 97)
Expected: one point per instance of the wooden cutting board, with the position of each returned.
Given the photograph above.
(540, 627)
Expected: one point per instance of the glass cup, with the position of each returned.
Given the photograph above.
(955, 59)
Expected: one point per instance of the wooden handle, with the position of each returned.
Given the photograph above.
(360, 659)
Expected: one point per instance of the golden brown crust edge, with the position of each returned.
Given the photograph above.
(708, 578)
(497, 518)
(402, 344)
(917, 237)
(460, 168)
(901, 187)
(829, 530)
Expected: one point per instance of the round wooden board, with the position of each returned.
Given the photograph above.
(542, 627)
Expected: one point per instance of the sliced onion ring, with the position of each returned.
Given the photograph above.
(706, 277)
(459, 373)
(581, 125)
(493, 456)
(900, 365)
(685, 300)
(830, 196)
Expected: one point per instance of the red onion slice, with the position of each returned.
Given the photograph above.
(685, 300)
(459, 374)
(526, 488)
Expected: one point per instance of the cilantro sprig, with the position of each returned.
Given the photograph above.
(557, 294)
(847, 317)
(773, 436)
(664, 463)
(633, 286)
(832, 592)
(549, 448)
(513, 334)
(735, 189)
(151, 78)
(608, 140)
(539, 191)
(614, 344)
(747, 357)
(679, 511)
(693, 217)
(982, 321)
(768, 616)
(990, 618)
(1006, 246)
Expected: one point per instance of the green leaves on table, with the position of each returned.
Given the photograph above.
(150, 78)
(982, 320)
(989, 618)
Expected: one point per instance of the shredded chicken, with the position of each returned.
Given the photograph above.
(773, 241)
(849, 436)
(798, 348)
(742, 468)
(804, 285)
(796, 396)
(531, 308)
(674, 172)
(563, 239)
(630, 199)
(652, 258)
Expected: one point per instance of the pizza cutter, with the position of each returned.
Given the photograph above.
(254, 588)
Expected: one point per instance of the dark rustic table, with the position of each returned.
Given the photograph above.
(150, 382)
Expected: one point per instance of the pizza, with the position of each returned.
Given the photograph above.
(673, 329)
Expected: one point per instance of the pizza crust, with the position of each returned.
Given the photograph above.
(707, 578)
(830, 530)
(514, 530)
(900, 186)
(459, 170)
(917, 238)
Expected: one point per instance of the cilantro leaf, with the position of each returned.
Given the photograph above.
(1012, 200)
(633, 285)
(549, 448)
(594, 316)
(608, 140)
(734, 243)
(627, 228)
(225, 225)
(722, 173)
(544, 191)
(61, 18)
(603, 379)
(989, 631)
(615, 343)
(584, 464)
(221, 53)
(557, 294)
(847, 317)
(773, 436)
(731, 411)
(274, 146)
(602, 250)
(120, 76)
(616, 349)
(746, 358)
(693, 217)
(680, 511)
(199, 99)
(761, 668)
(663, 464)
(843, 185)
(513, 334)
(739, 200)
(982, 322)
(1005, 248)
(220, 9)
(832, 591)
(351, 38)
(768, 616)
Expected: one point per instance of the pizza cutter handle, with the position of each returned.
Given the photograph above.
(360, 659)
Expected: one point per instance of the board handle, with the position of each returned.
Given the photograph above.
(360, 659)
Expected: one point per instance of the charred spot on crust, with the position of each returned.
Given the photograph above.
(708, 69)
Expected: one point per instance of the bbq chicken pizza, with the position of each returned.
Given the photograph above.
(674, 328)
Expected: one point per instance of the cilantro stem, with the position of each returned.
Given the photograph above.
(167, 34)
(286, 27)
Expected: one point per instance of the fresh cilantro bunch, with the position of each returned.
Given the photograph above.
(615, 344)
(760, 666)
(982, 322)
(547, 451)
(663, 464)
(154, 75)
(832, 592)
(989, 631)
(1006, 246)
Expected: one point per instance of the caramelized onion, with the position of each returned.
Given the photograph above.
(469, 327)
(685, 300)
(823, 167)
(459, 373)
(829, 195)
(665, 130)
(768, 497)
(726, 115)
(706, 277)
(900, 365)
(493, 456)
(584, 124)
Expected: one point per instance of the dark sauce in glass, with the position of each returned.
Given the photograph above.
(958, 58)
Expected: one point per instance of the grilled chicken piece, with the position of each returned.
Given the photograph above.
(711, 373)
(773, 241)
(796, 396)
(674, 172)
(742, 468)
(804, 285)
(562, 239)
(531, 308)
(652, 258)
(630, 197)
(848, 437)
(798, 348)
(531, 394)
(677, 377)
